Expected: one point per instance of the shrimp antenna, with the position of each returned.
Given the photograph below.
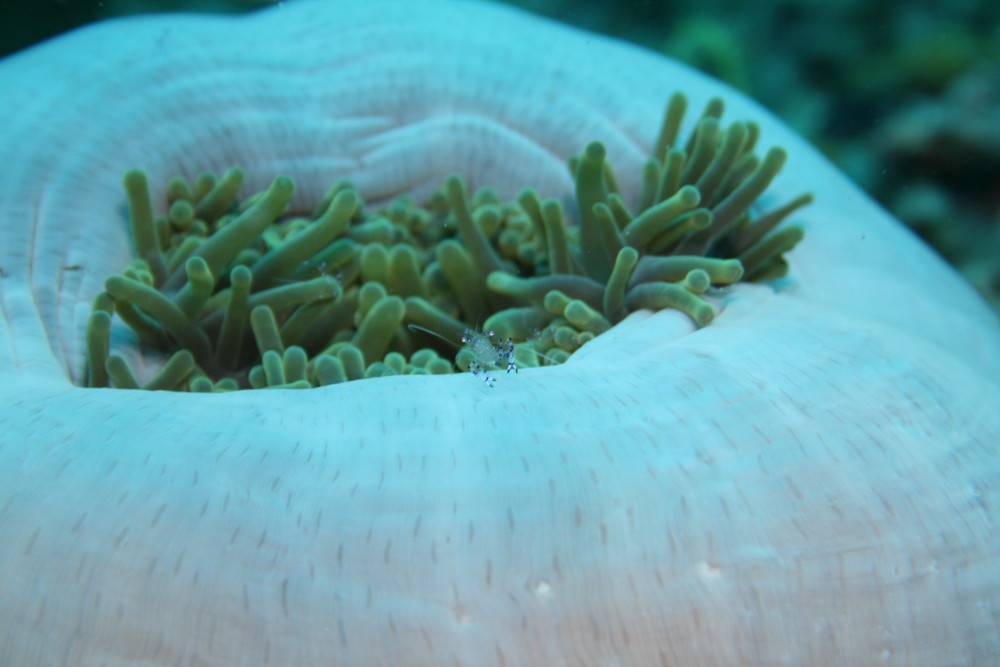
(417, 327)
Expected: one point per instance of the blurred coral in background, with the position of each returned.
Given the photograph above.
(904, 97)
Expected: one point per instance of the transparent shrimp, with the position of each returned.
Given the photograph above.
(487, 351)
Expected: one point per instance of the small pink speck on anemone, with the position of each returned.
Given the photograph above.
(810, 479)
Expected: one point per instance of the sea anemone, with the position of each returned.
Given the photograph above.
(808, 479)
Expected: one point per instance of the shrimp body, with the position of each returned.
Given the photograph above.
(487, 353)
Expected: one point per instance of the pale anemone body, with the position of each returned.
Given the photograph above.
(808, 480)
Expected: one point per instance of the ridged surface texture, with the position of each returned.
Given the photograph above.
(809, 480)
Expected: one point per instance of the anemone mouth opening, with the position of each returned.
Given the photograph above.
(241, 293)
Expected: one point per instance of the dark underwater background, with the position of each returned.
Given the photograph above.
(903, 96)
